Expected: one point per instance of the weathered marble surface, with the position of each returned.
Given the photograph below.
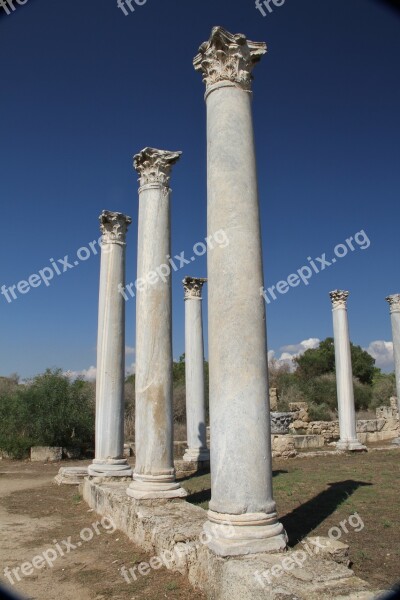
(241, 470)
(344, 374)
(109, 455)
(154, 474)
(197, 450)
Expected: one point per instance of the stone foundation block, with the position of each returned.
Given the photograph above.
(46, 454)
(173, 531)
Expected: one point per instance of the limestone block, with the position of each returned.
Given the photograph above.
(366, 426)
(46, 453)
(273, 399)
(333, 549)
(283, 446)
(128, 451)
(304, 442)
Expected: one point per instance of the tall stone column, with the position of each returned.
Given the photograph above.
(109, 460)
(197, 450)
(241, 470)
(154, 474)
(344, 374)
(394, 302)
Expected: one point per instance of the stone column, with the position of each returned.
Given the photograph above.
(394, 302)
(197, 450)
(154, 474)
(344, 374)
(241, 471)
(110, 461)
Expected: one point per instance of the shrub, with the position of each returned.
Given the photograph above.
(50, 410)
(320, 412)
(383, 388)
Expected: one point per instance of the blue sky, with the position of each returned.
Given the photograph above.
(84, 87)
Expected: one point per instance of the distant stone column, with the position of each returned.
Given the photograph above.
(154, 474)
(394, 302)
(241, 469)
(109, 455)
(194, 372)
(344, 374)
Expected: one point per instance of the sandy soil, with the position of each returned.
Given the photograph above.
(36, 515)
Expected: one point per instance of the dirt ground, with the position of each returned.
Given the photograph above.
(312, 495)
(36, 515)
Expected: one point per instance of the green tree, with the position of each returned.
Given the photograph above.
(321, 360)
(50, 410)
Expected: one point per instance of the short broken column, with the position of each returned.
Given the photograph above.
(154, 473)
(197, 450)
(110, 377)
(394, 302)
(241, 458)
(344, 374)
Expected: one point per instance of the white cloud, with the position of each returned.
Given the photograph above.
(300, 348)
(130, 370)
(86, 374)
(289, 352)
(129, 350)
(383, 353)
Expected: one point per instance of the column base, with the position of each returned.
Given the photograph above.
(249, 533)
(110, 468)
(351, 446)
(196, 455)
(147, 487)
(71, 475)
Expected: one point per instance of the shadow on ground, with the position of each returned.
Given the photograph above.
(306, 517)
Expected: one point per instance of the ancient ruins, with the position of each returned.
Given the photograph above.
(149, 505)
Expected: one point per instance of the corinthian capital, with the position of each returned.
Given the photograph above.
(339, 298)
(394, 302)
(113, 226)
(193, 287)
(154, 166)
(228, 57)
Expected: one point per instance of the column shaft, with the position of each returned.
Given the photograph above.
(344, 374)
(154, 474)
(241, 469)
(109, 460)
(194, 371)
(394, 302)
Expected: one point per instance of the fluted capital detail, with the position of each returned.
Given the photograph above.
(193, 287)
(394, 303)
(339, 298)
(228, 57)
(113, 226)
(154, 166)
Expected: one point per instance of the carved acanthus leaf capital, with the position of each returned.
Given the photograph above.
(228, 57)
(193, 287)
(154, 166)
(339, 298)
(113, 226)
(394, 302)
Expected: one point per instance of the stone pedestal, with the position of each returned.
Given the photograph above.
(154, 474)
(71, 475)
(394, 302)
(241, 472)
(344, 374)
(109, 454)
(197, 450)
